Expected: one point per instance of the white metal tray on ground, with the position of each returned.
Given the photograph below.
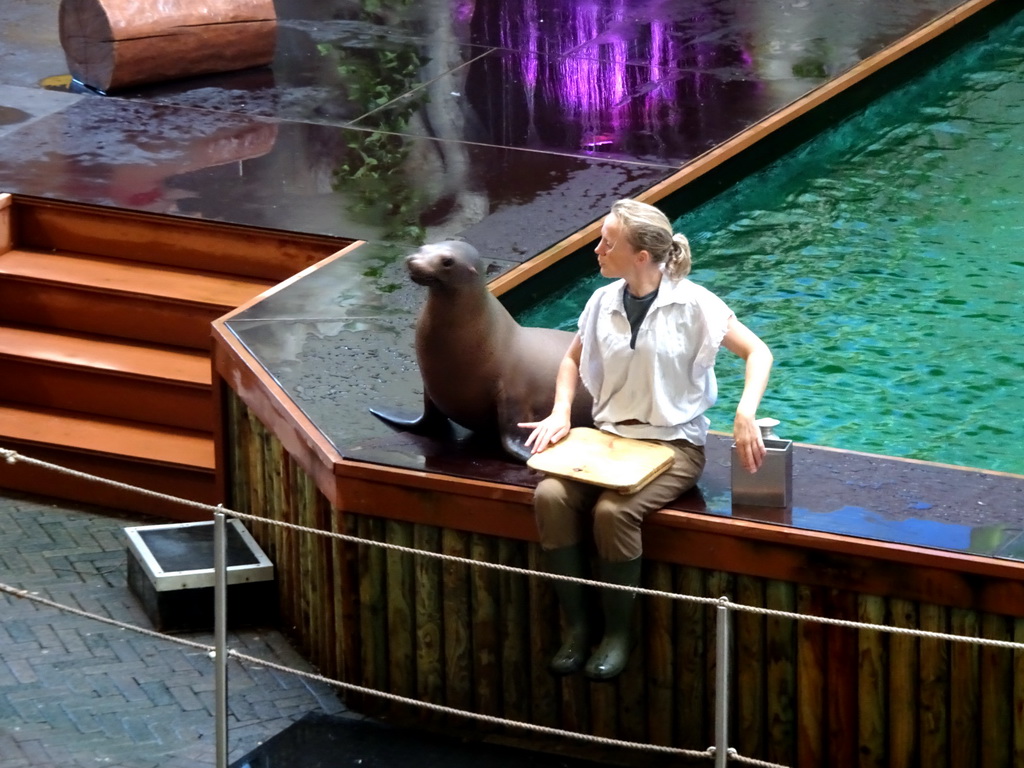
(181, 556)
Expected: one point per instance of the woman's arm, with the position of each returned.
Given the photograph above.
(556, 426)
(745, 343)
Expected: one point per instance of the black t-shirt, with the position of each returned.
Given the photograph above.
(636, 310)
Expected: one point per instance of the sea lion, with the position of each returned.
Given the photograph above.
(480, 368)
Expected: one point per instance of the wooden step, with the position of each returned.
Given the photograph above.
(116, 438)
(108, 377)
(170, 461)
(113, 297)
(50, 225)
(29, 478)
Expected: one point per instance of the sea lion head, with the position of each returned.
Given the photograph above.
(451, 262)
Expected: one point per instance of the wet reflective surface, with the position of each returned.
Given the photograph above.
(509, 124)
(323, 741)
(448, 95)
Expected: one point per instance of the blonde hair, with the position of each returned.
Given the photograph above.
(648, 229)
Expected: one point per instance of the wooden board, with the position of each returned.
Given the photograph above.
(595, 457)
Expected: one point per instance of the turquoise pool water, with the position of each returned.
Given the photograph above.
(884, 264)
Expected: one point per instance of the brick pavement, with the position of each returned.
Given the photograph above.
(76, 693)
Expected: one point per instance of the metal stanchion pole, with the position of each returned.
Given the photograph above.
(722, 684)
(220, 624)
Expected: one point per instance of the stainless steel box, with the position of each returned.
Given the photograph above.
(772, 484)
(170, 570)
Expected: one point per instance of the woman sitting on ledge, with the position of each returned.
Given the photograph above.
(645, 350)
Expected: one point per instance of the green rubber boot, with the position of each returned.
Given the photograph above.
(570, 561)
(612, 654)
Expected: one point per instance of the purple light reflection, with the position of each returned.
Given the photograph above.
(608, 77)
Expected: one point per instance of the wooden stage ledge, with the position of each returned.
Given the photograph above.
(803, 693)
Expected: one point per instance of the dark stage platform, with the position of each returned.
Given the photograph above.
(328, 741)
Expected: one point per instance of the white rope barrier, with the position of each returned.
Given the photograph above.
(982, 641)
(211, 651)
(12, 456)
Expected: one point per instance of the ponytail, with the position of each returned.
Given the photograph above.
(678, 263)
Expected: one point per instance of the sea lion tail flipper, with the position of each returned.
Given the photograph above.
(429, 421)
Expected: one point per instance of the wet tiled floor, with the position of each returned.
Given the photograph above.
(75, 692)
(509, 124)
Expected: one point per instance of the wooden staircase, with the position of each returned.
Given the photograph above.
(104, 345)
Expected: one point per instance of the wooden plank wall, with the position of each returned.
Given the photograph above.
(802, 694)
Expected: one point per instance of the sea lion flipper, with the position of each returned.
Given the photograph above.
(514, 444)
(428, 421)
(513, 437)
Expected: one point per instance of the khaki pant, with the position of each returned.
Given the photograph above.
(561, 505)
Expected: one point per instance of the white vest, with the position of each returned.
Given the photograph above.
(668, 381)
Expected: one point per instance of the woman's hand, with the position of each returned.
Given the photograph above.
(749, 445)
(556, 426)
(547, 431)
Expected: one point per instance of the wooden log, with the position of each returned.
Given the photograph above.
(810, 699)
(872, 694)
(353, 670)
(578, 701)
(484, 614)
(692, 720)
(963, 684)
(307, 547)
(659, 656)
(514, 620)
(996, 693)
(113, 44)
(458, 676)
(301, 548)
(749, 668)
(429, 609)
(1018, 694)
(903, 677)
(400, 601)
(326, 568)
(373, 624)
(780, 658)
(543, 639)
(293, 589)
(240, 439)
(346, 580)
(841, 685)
(603, 701)
(934, 688)
(632, 684)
